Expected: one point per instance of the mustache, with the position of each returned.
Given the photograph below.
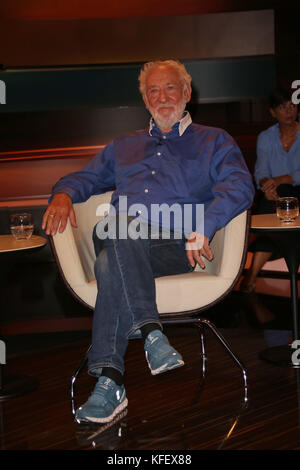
(165, 106)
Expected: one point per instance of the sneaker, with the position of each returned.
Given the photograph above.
(106, 401)
(160, 355)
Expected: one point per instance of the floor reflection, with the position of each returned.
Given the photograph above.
(234, 424)
(103, 436)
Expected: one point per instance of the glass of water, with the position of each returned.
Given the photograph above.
(21, 225)
(287, 209)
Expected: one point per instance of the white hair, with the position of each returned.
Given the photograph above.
(185, 78)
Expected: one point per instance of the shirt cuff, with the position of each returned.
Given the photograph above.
(70, 192)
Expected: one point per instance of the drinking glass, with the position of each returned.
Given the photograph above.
(21, 225)
(287, 209)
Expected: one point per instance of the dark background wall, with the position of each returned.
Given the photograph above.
(214, 80)
(71, 69)
(72, 81)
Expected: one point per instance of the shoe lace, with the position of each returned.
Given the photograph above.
(101, 388)
(153, 339)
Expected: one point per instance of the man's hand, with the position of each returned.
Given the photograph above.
(57, 214)
(197, 246)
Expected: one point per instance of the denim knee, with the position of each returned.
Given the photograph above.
(101, 264)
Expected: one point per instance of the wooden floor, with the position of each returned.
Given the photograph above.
(178, 410)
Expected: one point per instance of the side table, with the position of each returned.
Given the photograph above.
(15, 386)
(287, 237)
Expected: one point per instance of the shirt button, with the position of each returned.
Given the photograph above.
(153, 172)
(159, 154)
(164, 137)
(146, 190)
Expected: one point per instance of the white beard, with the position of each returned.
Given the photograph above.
(174, 117)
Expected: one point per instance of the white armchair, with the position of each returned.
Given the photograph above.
(180, 298)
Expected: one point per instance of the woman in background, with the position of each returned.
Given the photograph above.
(277, 174)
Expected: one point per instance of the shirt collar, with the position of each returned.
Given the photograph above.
(277, 130)
(179, 128)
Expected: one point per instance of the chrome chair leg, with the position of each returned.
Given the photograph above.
(212, 327)
(203, 352)
(75, 375)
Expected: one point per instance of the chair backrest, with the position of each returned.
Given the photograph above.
(75, 256)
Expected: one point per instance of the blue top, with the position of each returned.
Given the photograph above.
(273, 160)
(192, 164)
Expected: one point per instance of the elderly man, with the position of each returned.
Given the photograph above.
(174, 161)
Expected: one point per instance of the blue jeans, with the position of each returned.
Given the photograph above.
(125, 270)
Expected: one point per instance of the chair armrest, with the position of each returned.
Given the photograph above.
(67, 256)
(235, 246)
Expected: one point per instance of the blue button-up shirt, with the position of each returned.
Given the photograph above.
(192, 164)
(273, 160)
